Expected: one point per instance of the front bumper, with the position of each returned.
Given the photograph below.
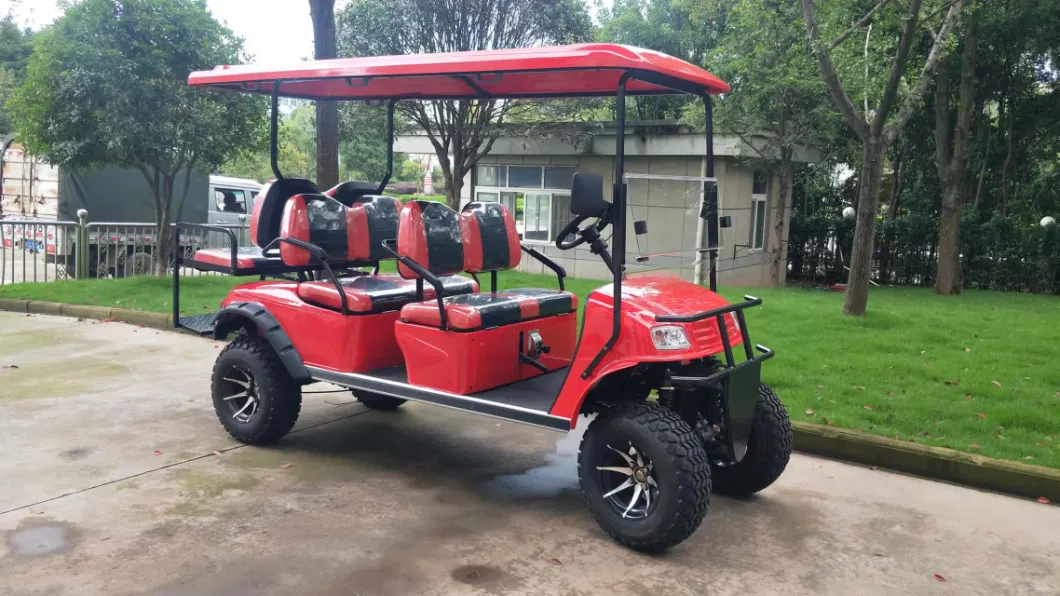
(738, 383)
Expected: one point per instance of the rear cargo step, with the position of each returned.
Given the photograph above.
(201, 324)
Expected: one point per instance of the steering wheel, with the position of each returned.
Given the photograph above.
(580, 237)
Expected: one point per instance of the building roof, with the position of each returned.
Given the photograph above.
(592, 69)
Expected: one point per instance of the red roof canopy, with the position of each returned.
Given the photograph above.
(560, 71)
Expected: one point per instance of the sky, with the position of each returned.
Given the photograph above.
(273, 30)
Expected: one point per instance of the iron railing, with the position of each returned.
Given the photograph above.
(34, 250)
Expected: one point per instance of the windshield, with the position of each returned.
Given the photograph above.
(682, 215)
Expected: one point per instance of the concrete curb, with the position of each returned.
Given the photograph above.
(922, 460)
(102, 313)
(931, 462)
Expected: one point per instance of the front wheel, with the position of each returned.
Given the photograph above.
(768, 450)
(645, 476)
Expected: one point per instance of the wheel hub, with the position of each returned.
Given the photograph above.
(632, 496)
(243, 401)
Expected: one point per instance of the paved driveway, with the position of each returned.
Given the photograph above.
(109, 484)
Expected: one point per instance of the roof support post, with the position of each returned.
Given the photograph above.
(389, 145)
(708, 106)
(274, 131)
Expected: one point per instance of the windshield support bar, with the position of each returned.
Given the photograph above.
(618, 210)
(389, 145)
(274, 127)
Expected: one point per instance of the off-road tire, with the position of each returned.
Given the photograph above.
(378, 401)
(279, 396)
(768, 450)
(681, 469)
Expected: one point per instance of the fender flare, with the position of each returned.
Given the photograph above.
(254, 316)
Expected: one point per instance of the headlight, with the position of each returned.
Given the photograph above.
(669, 337)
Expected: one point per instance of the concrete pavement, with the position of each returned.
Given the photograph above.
(420, 501)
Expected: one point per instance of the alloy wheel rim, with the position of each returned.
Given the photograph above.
(628, 483)
(242, 398)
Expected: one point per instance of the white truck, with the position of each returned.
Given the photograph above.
(119, 206)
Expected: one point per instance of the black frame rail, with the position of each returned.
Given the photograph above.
(718, 314)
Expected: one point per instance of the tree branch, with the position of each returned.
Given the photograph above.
(913, 100)
(831, 77)
(858, 25)
(898, 64)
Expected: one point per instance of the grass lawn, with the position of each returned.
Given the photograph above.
(975, 373)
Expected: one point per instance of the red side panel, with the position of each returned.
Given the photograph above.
(358, 248)
(412, 238)
(256, 215)
(295, 224)
(325, 338)
(475, 361)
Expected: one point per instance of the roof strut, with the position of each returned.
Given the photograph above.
(274, 151)
(389, 145)
(474, 86)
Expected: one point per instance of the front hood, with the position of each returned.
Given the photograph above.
(662, 295)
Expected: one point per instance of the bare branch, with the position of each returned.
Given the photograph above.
(913, 100)
(898, 64)
(831, 78)
(865, 20)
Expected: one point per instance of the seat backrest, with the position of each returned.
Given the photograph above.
(491, 242)
(429, 233)
(317, 219)
(373, 219)
(352, 191)
(269, 207)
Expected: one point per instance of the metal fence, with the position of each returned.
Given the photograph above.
(34, 250)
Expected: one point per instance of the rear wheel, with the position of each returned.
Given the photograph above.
(645, 476)
(254, 396)
(378, 401)
(768, 450)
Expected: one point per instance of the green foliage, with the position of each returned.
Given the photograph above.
(409, 171)
(16, 46)
(688, 29)
(107, 85)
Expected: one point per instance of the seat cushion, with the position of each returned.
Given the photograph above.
(484, 311)
(376, 293)
(247, 257)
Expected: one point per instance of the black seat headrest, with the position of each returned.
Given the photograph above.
(268, 209)
(349, 193)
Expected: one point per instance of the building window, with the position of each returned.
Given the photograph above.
(758, 212)
(539, 213)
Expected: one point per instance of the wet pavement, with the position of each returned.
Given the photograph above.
(117, 479)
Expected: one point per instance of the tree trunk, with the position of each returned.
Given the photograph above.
(778, 250)
(861, 255)
(952, 174)
(323, 15)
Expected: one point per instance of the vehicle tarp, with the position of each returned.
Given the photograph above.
(115, 194)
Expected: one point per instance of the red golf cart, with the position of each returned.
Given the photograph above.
(676, 404)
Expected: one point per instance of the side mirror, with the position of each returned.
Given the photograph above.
(587, 195)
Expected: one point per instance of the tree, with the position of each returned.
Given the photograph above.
(16, 46)
(777, 102)
(687, 29)
(464, 130)
(296, 145)
(951, 156)
(876, 128)
(106, 85)
(327, 151)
